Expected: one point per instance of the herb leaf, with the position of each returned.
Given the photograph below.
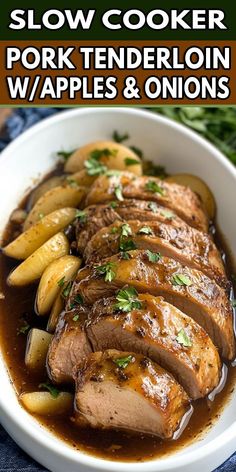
(127, 300)
(113, 172)
(107, 270)
(113, 204)
(154, 170)
(66, 291)
(145, 230)
(72, 182)
(181, 279)
(137, 151)
(51, 388)
(123, 362)
(153, 256)
(77, 300)
(167, 214)
(153, 207)
(98, 153)
(119, 138)
(65, 154)
(75, 318)
(126, 230)
(61, 282)
(183, 338)
(94, 167)
(124, 255)
(114, 230)
(81, 215)
(24, 329)
(129, 161)
(152, 186)
(118, 193)
(127, 245)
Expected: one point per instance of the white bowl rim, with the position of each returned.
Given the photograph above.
(58, 447)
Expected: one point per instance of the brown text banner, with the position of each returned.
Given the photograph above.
(117, 73)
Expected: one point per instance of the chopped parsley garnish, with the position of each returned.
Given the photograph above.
(167, 214)
(77, 300)
(129, 161)
(124, 255)
(65, 154)
(72, 182)
(123, 362)
(75, 318)
(113, 172)
(113, 204)
(81, 215)
(51, 388)
(126, 230)
(181, 279)
(153, 256)
(61, 282)
(114, 230)
(137, 151)
(145, 230)
(153, 207)
(154, 170)
(118, 193)
(107, 270)
(153, 187)
(127, 300)
(183, 338)
(119, 138)
(67, 289)
(127, 245)
(92, 164)
(94, 167)
(98, 153)
(24, 329)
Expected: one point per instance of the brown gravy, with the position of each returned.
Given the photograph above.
(18, 307)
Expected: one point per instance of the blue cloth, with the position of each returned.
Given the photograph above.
(12, 458)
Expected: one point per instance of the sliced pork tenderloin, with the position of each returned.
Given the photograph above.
(188, 289)
(182, 200)
(127, 391)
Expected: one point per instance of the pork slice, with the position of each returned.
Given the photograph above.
(181, 242)
(188, 289)
(127, 391)
(69, 346)
(161, 332)
(96, 217)
(182, 200)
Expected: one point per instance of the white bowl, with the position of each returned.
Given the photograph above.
(180, 150)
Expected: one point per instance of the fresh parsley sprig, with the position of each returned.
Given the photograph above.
(183, 338)
(123, 362)
(127, 300)
(51, 389)
(153, 256)
(107, 270)
(154, 187)
(145, 230)
(181, 279)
